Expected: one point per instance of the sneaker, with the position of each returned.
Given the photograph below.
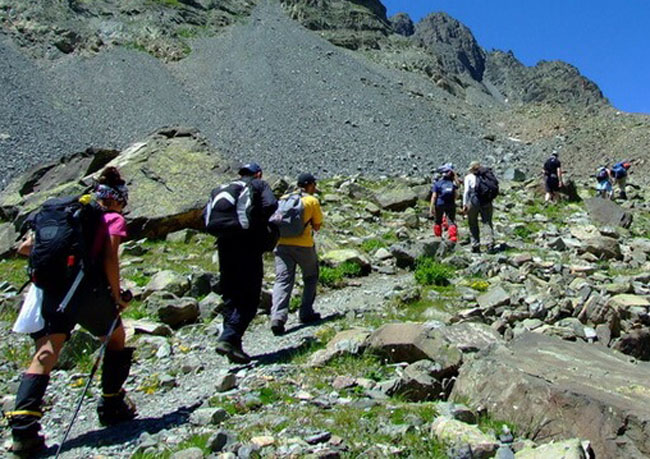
(116, 409)
(27, 446)
(277, 327)
(234, 353)
(311, 318)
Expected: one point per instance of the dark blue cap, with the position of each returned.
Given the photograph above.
(250, 169)
(305, 179)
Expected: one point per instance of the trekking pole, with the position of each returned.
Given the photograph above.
(126, 296)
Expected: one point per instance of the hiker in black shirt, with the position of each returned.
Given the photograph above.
(241, 268)
(552, 177)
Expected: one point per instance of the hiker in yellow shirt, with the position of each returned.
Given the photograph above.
(298, 251)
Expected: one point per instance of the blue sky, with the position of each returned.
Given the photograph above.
(608, 40)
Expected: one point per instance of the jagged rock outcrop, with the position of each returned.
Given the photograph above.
(350, 24)
(402, 24)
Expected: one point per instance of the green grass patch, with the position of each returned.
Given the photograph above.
(195, 441)
(527, 231)
(14, 271)
(487, 424)
(430, 272)
(333, 277)
(371, 245)
(137, 311)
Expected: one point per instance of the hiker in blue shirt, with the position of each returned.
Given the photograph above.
(604, 188)
(443, 203)
(619, 174)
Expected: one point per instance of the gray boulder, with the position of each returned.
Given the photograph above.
(396, 199)
(402, 24)
(562, 390)
(167, 281)
(603, 247)
(406, 253)
(635, 343)
(608, 213)
(459, 435)
(493, 298)
(351, 342)
(8, 236)
(567, 449)
(419, 383)
(514, 175)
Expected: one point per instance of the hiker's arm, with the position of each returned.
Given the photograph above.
(25, 246)
(112, 269)
(269, 203)
(434, 196)
(559, 175)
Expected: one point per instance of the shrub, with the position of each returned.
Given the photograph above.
(430, 272)
(479, 285)
(333, 277)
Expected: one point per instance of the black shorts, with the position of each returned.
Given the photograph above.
(552, 183)
(91, 306)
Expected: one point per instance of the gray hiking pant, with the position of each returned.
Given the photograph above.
(286, 259)
(473, 212)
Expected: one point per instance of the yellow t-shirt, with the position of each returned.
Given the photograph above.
(312, 214)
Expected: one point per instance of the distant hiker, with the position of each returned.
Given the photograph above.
(443, 203)
(604, 187)
(240, 211)
(86, 293)
(619, 174)
(553, 180)
(296, 248)
(480, 189)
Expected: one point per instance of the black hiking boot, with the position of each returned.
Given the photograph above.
(27, 446)
(114, 409)
(476, 249)
(25, 419)
(233, 352)
(277, 327)
(311, 318)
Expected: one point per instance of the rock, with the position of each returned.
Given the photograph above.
(210, 306)
(402, 24)
(458, 434)
(183, 236)
(189, 453)
(623, 302)
(603, 247)
(263, 441)
(226, 382)
(567, 449)
(167, 281)
(456, 411)
(493, 298)
(208, 416)
(563, 382)
(468, 336)
(336, 258)
(418, 383)
(176, 312)
(320, 437)
(635, 343)
(202, 284)
(146, 327)
(81, 344)
(396, 199)
(345, 342)
(570, 190)
(557, 244)
(607, 213)
(8, 237)
(514, 175)
(383, 254)
(218, 441)
(410, 342)
(406, 253)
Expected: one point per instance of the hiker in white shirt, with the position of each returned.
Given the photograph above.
(472, 207)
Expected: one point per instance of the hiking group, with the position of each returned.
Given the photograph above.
(72, 245)
(480, 188)
(608, 177)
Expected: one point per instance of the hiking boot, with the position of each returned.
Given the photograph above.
(114, 409)
(27, 446)
(476, 249)
(277, 327)
(234, 353)
(311, 318)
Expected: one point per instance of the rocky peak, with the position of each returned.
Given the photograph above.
(452, 43)
(402, 24)
(552, 82)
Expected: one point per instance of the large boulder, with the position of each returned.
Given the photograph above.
(167, 281)
(8, 236)
(635, 343)
(397, 199)
(494, 298)
(169, 175)
(338, 257)
(608, 213)
(406, 253)
(561, 390)
(410, 342)
(567, 449)
(351, 342)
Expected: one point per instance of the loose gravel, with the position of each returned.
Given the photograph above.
(264, 89)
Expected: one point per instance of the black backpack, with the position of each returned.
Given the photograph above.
(230, 208)
(487, 185)
(64, 231)
(551, 165)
